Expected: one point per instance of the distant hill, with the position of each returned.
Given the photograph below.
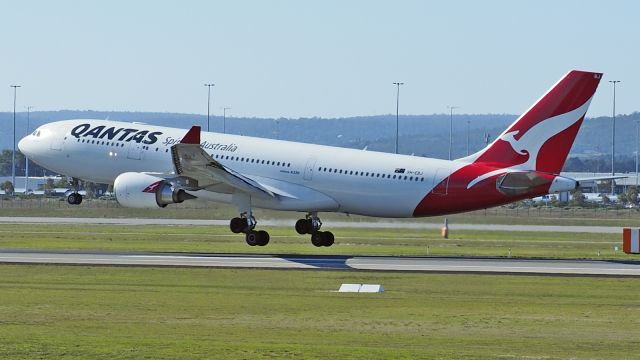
(423, 135)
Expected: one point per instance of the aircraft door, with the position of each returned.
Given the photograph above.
(135, 151)
(441, 181)
(308, 170)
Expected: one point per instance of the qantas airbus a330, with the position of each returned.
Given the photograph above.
(152, 166)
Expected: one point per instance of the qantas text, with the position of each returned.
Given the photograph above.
(114, 133)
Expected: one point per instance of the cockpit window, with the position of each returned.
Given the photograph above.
(36, 133)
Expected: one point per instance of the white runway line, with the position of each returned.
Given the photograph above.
(475, 265)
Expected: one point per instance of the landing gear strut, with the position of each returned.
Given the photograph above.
(311, 224)
(74, 198)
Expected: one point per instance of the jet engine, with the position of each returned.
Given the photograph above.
(140, 190)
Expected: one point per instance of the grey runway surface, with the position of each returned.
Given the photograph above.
(424, 264)
(328, 224)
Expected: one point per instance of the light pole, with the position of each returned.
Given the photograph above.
(26, 159)
(13, 157)
(451, 128)
(224, 119)
(468, 122)
(397, 84)
(208, 102)
(637, 136)
(613, 137)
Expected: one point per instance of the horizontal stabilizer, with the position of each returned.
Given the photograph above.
(602, 178)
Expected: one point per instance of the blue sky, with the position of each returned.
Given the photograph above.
(313, 58)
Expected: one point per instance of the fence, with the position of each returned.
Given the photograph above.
(501, 211)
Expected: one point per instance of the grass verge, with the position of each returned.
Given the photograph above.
(81, 312)
(407, 242)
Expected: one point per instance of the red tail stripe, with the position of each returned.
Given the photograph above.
(192, 136)
(571, 92)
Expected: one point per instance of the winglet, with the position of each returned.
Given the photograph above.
(192, 136)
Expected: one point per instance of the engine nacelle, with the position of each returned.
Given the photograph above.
(139, 190)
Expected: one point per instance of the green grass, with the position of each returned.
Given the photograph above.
(168, 313)
(349, 241)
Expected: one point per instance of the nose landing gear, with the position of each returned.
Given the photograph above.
(74, 198)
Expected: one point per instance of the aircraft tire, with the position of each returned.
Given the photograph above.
(327, 238)
(236, 225)
(252, 238)
(317, 239)
(303, 226)
(263, 238)
(74, 199)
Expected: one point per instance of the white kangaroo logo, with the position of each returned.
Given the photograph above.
(533, 139)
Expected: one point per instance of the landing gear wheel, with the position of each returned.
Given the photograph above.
(237, 225)
(322, 238)
(317, 239)
(252, 238)
(263, 238)
(74, 199)
(328, 238)
(304, 226)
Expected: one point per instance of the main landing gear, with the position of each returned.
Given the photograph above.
(246, 224)
(311, 224)
(74, 198)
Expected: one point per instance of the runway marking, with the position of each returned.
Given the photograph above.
(475, 265)
(501, 268)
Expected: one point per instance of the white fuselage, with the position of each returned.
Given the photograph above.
(358, 181)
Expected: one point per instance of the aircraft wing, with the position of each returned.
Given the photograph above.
(191, 161)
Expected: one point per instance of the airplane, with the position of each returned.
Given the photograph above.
(153, 166)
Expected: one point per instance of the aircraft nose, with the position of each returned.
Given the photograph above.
(23, 145)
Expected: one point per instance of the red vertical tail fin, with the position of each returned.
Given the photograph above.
(541, 138)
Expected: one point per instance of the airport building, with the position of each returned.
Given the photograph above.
(34, 184)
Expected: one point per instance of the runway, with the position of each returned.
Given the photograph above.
(375, 263)
(384, 224)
